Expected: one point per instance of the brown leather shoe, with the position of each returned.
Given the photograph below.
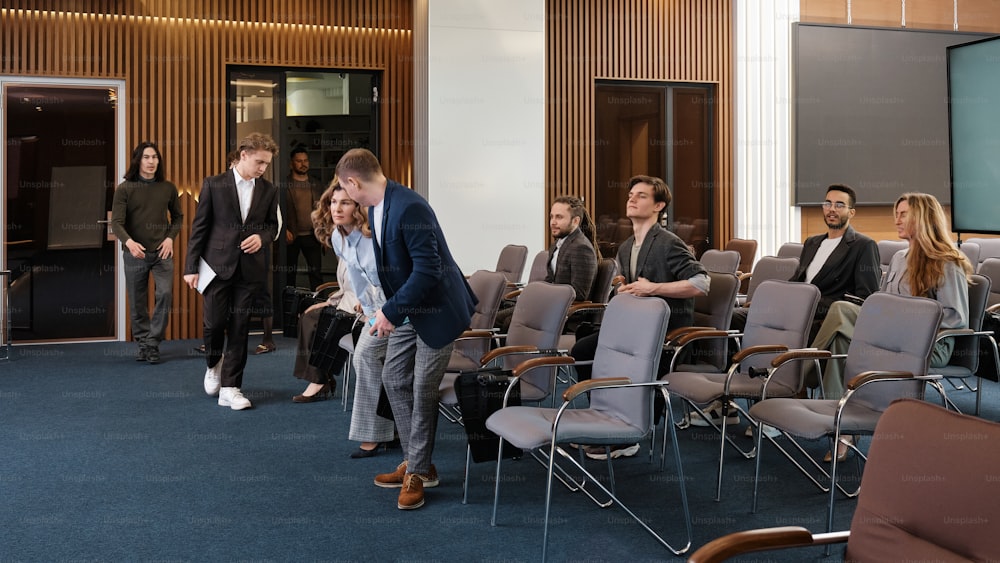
(395, 479)
(412, 494)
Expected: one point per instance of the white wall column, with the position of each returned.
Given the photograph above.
(482, 123)
(764, 104)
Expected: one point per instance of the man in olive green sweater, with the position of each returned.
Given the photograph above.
(139, 220)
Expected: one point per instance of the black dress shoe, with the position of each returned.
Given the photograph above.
(320, 395)
(153, 355)
(141, 355)
(363, 453)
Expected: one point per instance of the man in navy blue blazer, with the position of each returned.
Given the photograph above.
(428, 305)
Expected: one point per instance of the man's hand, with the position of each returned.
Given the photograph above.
(166, 249)
(382, 326)
(252, 244)
(289, 237)
(640, 288)
(191, 280)
(135, 249)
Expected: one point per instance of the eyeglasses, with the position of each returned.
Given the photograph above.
(838, 205)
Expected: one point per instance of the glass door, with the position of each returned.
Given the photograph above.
(60, 167)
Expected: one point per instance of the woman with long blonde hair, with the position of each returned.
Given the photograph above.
(931, 267)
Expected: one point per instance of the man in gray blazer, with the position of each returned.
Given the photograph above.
(237, 214)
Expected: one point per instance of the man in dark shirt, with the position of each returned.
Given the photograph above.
(298, 200)
(139, 218)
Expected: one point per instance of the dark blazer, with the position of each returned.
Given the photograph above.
(853, 267)
(420, 278)
(576, 264)
(663, 258)
(218, 228)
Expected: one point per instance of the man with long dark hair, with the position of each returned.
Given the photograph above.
(146, 217)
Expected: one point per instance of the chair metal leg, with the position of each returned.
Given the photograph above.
(348, 368)
(465, 482)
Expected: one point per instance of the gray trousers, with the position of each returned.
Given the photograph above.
(369, 357)
(149, 333)
(412, 376)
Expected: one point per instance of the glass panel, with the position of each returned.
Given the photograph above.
(60, 179)
(657, 130)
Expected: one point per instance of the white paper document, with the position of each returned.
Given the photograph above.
(205, 275)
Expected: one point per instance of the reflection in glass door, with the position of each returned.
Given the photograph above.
(60, 166)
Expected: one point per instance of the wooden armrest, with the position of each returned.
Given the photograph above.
(512, 294)
(585, 306)
(759, 349)
(682, 330)
(701, 334)
(505, 350)
(802, 354)
(539, 362)
(736, 543)
(869, 376)
(993, 308)
(325, 287)
(744, 276)
(584, 386)
(476, 334)
(617, 280)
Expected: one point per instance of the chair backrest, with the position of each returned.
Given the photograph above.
(539, 268)
(630, 343)
(781, 313)
(893, 333)
(511, 262)
(966, 351)
(771, 268)
(748, 252)
(538, 320)
(972, 250)
(790, 250)
(725, 261)
(715, 310)
(607, 269)
(887, 249)
(988, 248)
(924, 456)
(489, 288)
(991, 269)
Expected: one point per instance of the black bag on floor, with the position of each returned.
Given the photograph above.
(480, 394)
(987, 356)
(294, 301)
(325, 352)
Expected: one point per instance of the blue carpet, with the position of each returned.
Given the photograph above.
(106, 459)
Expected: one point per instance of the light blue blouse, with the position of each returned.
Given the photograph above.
(358, 252)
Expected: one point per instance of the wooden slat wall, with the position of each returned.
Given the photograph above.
(688, 40)
(173, 56)
(973, 15)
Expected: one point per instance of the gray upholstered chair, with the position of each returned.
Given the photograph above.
(748, 253)
(488, 287)
(511, 262)
(972, 251)
(620, 410)
(790, 250)
(887, 249)
(988, 248)
(711, 312)
(887, 360)
(950, 517)
(726, 261)
(767, 268)
(539, 266)
(591, 310)
(965, 357)
(535, 327)
(778, 321)
(991, 269)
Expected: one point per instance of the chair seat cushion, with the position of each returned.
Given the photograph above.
(703, 388)
(531, 427)
(813, 418)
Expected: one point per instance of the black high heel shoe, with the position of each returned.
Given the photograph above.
(362, 453)
(321, 395)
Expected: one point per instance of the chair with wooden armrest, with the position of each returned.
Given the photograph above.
(928, 493)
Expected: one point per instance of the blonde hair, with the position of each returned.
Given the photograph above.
(322, 220)
(930, 245)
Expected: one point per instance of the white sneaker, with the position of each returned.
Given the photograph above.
(714, 412)
(621, 450)
(769, 431)
(233, 398)
(213, 378)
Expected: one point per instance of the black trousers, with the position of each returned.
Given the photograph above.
(228, 304)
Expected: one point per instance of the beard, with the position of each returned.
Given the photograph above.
(837, 224)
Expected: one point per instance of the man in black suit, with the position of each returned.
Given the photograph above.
(839, 262)
(236, 216)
